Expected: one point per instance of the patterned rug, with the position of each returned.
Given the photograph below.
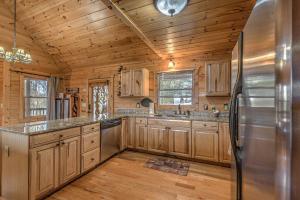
(168, 165)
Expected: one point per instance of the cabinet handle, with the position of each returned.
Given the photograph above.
(63, 143)
(92, 141)
(60, 136)
(7, 150)
(92, 159)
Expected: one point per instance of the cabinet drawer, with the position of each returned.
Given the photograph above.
(47, 138)
(170, 123)
(90, 159)
(90, 141)
(205, 126)
(141, 120)
(91, 128)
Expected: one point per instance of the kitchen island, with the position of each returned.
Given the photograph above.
(41, 157)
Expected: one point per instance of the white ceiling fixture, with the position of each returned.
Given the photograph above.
(16, 54)
(170, 7)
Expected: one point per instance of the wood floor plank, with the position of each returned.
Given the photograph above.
(125, 178)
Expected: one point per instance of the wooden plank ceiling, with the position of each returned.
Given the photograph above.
(79, 33)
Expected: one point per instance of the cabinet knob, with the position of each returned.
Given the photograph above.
(60, 136)
(92, 159)
(92, 141)
(63, 143)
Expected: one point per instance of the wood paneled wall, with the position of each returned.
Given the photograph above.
(79, 78)
(42, 62)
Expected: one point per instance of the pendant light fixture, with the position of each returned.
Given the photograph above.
(15, 55)
(170, 7)
(171, 64)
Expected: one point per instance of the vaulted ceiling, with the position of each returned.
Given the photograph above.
(79, 33)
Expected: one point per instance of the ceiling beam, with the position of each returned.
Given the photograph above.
(130, 23)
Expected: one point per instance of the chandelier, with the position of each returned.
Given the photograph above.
(16, 54)
(170, 7)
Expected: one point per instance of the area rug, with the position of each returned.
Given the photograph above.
(168, 165)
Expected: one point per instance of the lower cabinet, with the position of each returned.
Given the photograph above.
(180, 141)
(69, 159)
(131, 132)
(141, 136)
(158, 138)
(205, 145)
(224, 143)
(44, 170)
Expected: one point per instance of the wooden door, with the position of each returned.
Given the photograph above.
(158, 139)
(218, 78)
(205, 145)
(180, 141)
(126, 81)
(69, 159)
(44, 170)
(131, 132)
(141, 136)
(224, 143)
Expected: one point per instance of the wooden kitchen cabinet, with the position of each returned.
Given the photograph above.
(224, 143)
(126, 83)
(135, 83)
(158, 138)
(44, 170)
(141, 136)
(218, 78)
(131, 132)
(205, 145)
(180, 141)
(69, 159)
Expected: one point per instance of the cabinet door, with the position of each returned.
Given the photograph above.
(124, 133)
(158, 139)
(126, 80)
(224, 143)
(44, 170)
(141, 136)
(131, 132)
(218, 79)
(69, 159)
(140, 82)
(205, 145)
(180, 141)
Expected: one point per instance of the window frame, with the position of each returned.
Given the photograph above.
(23, 102)
(170, 72)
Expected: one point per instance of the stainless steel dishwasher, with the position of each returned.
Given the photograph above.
(110, 138)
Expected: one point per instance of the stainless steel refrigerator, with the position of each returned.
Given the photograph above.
(265, 103)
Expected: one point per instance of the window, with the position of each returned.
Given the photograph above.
(175, 88)
(35, 97)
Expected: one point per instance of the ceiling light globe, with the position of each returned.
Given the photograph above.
(170, 7)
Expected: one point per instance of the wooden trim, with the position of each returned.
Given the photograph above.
(130, 23)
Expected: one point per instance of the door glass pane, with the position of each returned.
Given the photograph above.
(100, 100)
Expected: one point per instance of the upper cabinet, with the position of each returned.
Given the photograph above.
(135, 83)
(218, 78)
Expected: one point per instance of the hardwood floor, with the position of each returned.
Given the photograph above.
(125, 177)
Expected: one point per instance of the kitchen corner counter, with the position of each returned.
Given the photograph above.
(41, 127)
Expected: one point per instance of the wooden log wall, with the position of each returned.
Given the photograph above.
(42, 64)
(79, 78)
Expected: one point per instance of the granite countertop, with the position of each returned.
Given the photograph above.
(40, 127)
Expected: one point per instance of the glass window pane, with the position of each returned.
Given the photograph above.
(35, 92)
(35, 106)
(176, 88)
